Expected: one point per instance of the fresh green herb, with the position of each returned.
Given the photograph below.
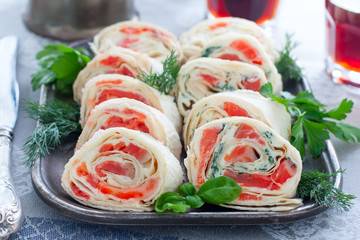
(165, 81)
(209, 51)
(317, 186)
(60, 65)
(171, 201)
(215, 191)
(214, 166)
(57, 120)
(226, 87)
(271, 160)
(312, 120)
(219, 190)
(286, 64)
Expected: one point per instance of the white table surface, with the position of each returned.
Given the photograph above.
(303, 18)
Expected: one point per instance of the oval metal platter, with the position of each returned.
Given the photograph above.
(46, 174)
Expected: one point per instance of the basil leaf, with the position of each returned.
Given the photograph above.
(219, 190)
(171, 201)
(194, 201)
(186, 189)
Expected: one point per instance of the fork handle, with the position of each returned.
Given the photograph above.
(10, 208)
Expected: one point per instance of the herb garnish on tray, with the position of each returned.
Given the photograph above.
(312, 120)
(57, 119)
(286, 64)
(318, 186)
(216, 191)
(59, 64)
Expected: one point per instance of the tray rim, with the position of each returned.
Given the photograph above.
(92, 215)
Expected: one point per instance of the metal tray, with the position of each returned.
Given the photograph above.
(46, 174)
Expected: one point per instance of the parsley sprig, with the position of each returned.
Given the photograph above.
(286, 64)
(318, 186)
(217, 190)
(166, 80)
(313, 120)
(60, 65)
(57, 120)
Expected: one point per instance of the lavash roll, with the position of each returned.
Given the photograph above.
(265, 165)
(244, 48)
(120, 169)
(135, 115)
(115, 61)
(193, 40)
(241, 103)
(142, 37)
(108, 86)
(201, 77)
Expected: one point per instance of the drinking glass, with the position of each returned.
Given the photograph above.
(343, 41)
(260, 11)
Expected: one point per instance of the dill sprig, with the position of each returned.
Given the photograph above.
(57, 120)
(165, 81)
(286, 63)
(317, 186)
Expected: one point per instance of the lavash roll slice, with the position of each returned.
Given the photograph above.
(202, 77)
(135, 115)
(121, 169)
(143, 37)
(244, 48)
(193, 40)
(265, 165)
(240, 103)
(108, 86)
(114, 61)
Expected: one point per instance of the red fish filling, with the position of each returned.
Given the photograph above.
(246, 131)
(76, 190)
(218, 25)
(247, 50)
(141, 154)
(124, 169)
(132, 30)
(234, 110)
(209, 79)
(207, 143)
(286, 170)
(229, 56)
(111, 61)
(123, 70)
(249, 197)
(107, 94)
(126, 42)
(136, 123)
(252, 83)
(242, 153)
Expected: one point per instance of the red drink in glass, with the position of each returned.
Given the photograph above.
(259, 11)
(343, 40)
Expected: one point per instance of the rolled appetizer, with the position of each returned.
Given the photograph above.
(142, 37)
(265, 165)
(241, 103)
(202, 77)
(244, 48)
(109, 86)
(132, 114)
(121, 169)
(115, 60)
(197, 37)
